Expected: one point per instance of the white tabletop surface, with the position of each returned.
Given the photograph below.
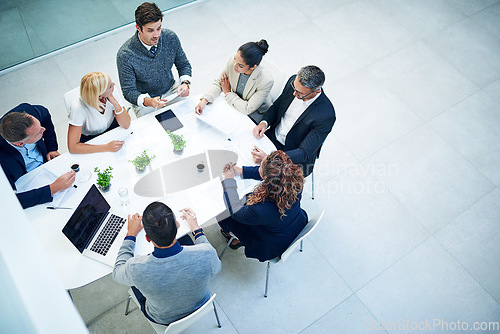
(76, 270)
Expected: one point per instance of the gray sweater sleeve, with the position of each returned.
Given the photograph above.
(215, 261)
(120, 271)
(231, 197)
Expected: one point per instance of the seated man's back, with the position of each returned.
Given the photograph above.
(171, 282)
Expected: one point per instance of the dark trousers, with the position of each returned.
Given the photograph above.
(185, 241)
(84, 138)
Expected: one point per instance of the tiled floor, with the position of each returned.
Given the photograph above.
(409, 177)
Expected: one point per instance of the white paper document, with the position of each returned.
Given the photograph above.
(222, 117)
(243, 143)
(39, 178)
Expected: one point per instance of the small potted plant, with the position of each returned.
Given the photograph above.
(104, 178)
(178, 141)
(141, 161)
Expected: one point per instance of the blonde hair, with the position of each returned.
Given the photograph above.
(93, 84)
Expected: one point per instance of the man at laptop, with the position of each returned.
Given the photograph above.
(171, 282)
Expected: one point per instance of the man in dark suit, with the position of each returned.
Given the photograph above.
(27, 140)
(300, 119)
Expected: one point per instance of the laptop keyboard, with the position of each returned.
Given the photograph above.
(108, 235)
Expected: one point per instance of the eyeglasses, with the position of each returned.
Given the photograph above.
(299, 94)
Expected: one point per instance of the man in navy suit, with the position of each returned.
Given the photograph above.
(299, 120)
(27, 140)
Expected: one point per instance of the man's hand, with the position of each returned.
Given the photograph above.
(155, 102)
(63, 182)
(183, 90)
(199, 108)
(259, 130)
(224, 83)
(189, 216)
(134, 225)
(52, 154)
(114, 146)
(258, 155)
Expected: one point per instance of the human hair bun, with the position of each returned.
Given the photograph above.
(263, 46)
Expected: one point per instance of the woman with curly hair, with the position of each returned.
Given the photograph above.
(267, 220)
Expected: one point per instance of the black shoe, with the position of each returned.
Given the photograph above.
(225, 235)
(237, 245)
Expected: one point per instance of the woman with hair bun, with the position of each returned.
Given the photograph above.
(267, 220)
(245, 84)
(94, 112)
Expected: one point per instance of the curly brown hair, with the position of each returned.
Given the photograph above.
(283, 182)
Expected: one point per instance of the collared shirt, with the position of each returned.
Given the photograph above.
(295, 109)
(31, 156)
(140, 98)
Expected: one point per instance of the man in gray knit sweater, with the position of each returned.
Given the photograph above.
(145, 62)
(171, 282)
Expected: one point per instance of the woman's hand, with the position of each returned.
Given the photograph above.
(199, 108)
(228, 171)
(114, 146)
(224, 83)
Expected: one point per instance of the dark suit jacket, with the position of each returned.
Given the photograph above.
(260, 226)
(306, 136)
(13, 163)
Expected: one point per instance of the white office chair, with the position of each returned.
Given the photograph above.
(310, 226)
(70, 96)
(183, 323)
(278, 76)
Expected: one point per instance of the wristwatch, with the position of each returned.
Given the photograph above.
(186, 82)
(195, 232)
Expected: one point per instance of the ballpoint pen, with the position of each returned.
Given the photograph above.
(189, 213)
(57, 207)
(231, 165)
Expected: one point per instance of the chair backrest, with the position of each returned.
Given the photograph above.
(183, 323)
(310, 226)
(70, 96)
(278, 76)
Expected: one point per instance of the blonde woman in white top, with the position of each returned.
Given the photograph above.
(94, 112)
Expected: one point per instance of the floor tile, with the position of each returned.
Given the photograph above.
(360, 244)
(98, 297)
(423, 80)
(428, 286)
(364, 31)
(321, 51)
(493, 90)
(305, 284)
(472, 7)
(471, 49)
(433, 181)
(472, 128)
(363, 108)
(314, 9)
(334, 159)
(438, 15)
(473, 239)
(349, 317)
(488, 19)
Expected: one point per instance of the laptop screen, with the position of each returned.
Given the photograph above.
(86, 219)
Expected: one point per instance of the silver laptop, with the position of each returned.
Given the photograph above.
(94, 230)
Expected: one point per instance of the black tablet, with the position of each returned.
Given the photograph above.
(169, 121)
